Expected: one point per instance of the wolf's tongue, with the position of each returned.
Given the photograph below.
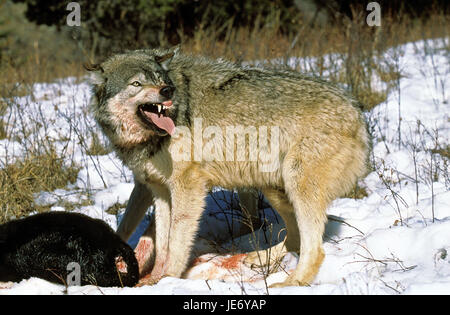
(163, 122)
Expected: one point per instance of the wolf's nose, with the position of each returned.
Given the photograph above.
(167, 91)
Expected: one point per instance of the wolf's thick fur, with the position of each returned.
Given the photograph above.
(323, 147)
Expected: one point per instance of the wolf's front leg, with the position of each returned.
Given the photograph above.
(188, 203)
(141, 198)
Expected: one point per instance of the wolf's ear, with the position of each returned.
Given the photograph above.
(165, 59)
(96, 76)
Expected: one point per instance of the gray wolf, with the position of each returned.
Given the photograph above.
(300, 140)
(44, 244)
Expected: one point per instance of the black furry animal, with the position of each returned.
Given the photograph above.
(43, 245)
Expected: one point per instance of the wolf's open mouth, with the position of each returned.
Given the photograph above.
(155, 113)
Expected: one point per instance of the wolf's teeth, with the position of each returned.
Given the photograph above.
(159, 108)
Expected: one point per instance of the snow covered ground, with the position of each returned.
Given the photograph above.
(394, 241)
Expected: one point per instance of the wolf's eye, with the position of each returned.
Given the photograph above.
(136, 83)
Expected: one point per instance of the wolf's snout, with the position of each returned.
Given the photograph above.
(167, 91)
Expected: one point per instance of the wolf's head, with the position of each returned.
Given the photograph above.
(133, 96)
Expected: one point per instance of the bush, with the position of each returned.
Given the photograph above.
(120, 24)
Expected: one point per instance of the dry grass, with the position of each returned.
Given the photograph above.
(17, 80)
(357, 192)
(21, 180)
(96, 147)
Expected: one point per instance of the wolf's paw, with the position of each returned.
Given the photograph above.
(293, 280)
(289, 283)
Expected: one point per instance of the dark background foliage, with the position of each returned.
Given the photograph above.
(120, 24)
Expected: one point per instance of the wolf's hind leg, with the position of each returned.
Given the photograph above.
(282, 205)
(312, 179)
(311, 227)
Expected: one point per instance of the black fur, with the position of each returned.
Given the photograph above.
(43, 245)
